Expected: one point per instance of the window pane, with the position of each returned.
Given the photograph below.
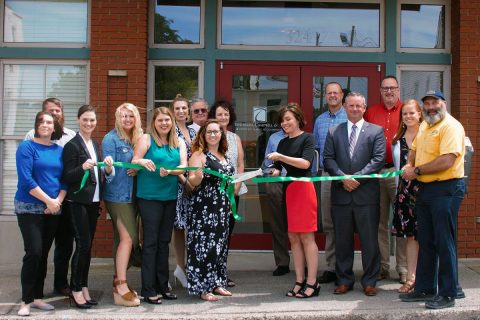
(414, 84)
(9, 175)
(309, 24)
(257, 99)
(46, 21)
(422, 26)
(26, 86)
(177, 22)
(171, 80)
(349, 84)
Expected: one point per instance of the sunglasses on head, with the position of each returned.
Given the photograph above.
(197, 111)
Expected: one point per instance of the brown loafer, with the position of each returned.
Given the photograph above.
(342, 289)
(370, 291)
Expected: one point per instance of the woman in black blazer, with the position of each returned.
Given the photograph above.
(81, 154)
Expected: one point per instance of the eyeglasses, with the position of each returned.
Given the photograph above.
(213, 132)
(386, 89)
(197, 111)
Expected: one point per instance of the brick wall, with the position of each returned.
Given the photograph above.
(118, 42)
(465, 102)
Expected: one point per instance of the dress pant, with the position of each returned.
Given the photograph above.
(157, 221)
(278, 224)
(38, 231)
(345, 219)
(63, 247)
(327, 224)
(436, 206)
(84, 223)
(388, 190)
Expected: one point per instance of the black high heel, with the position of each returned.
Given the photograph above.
(152, 300)
(315, 287)
(78, 305)
(292, 293)
(92, 302)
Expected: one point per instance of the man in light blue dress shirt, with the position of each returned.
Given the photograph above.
(335, 115)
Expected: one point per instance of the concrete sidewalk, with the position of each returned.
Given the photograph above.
(258, 295)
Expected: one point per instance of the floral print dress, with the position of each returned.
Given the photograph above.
(183, 201)
(404, 218)
(207, 231)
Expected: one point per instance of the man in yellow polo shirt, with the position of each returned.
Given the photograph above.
(436, 160)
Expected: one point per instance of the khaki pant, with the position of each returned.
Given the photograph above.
(388, 190)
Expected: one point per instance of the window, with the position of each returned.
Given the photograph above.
(45, 21)
(177, 23)
(307, 24)
(416, 80)
(172, 78)
(424, 26)
(25, 86)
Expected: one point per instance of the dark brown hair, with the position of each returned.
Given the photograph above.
(200, 143)
(401, 126)
(86, 108)
(225, 105)
(294, 108)
(57, 128)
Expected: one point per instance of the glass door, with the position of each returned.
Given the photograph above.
(257, 90)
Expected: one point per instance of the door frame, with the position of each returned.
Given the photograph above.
(298, 72)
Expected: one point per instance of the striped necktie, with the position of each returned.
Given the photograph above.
(352, 141)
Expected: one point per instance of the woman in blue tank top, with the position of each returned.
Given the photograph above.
(157, 199)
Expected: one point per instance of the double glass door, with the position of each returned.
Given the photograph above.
(257, 91)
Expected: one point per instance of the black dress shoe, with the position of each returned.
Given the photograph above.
(460, 293)
(415, 296)
(440, 302)
(281, 270)
(65, 291)
(327, 277)
(92, 302)
(168, 296)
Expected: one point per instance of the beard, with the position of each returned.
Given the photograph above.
(432, 119)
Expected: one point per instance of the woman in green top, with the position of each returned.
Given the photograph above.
(157, 199)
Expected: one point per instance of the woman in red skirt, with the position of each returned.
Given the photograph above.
(295, 154)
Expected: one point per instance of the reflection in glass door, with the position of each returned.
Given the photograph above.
(257, 90)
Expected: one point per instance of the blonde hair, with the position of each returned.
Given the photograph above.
(171, 136)
(136, 132)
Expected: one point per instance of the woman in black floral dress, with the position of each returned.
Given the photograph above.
(404, 223)
(207, 225)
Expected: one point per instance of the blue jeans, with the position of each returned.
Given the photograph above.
(437, 207)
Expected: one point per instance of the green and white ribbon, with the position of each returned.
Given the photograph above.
(230, 190)
(389, 174)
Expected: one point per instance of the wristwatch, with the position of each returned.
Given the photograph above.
(417, 171)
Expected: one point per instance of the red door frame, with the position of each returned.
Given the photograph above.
(301, 73)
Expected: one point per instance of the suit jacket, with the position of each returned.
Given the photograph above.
(75, 153)
(368, 157)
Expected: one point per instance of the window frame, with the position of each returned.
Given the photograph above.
(446, 69)
(171, 63)
(151, 29)
(448, 10)
(46, 44)
(381, 47)
(3, 62)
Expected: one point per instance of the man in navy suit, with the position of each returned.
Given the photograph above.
(355, 148)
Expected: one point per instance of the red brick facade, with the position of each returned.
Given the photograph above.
(465, 102)
(118, 42)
